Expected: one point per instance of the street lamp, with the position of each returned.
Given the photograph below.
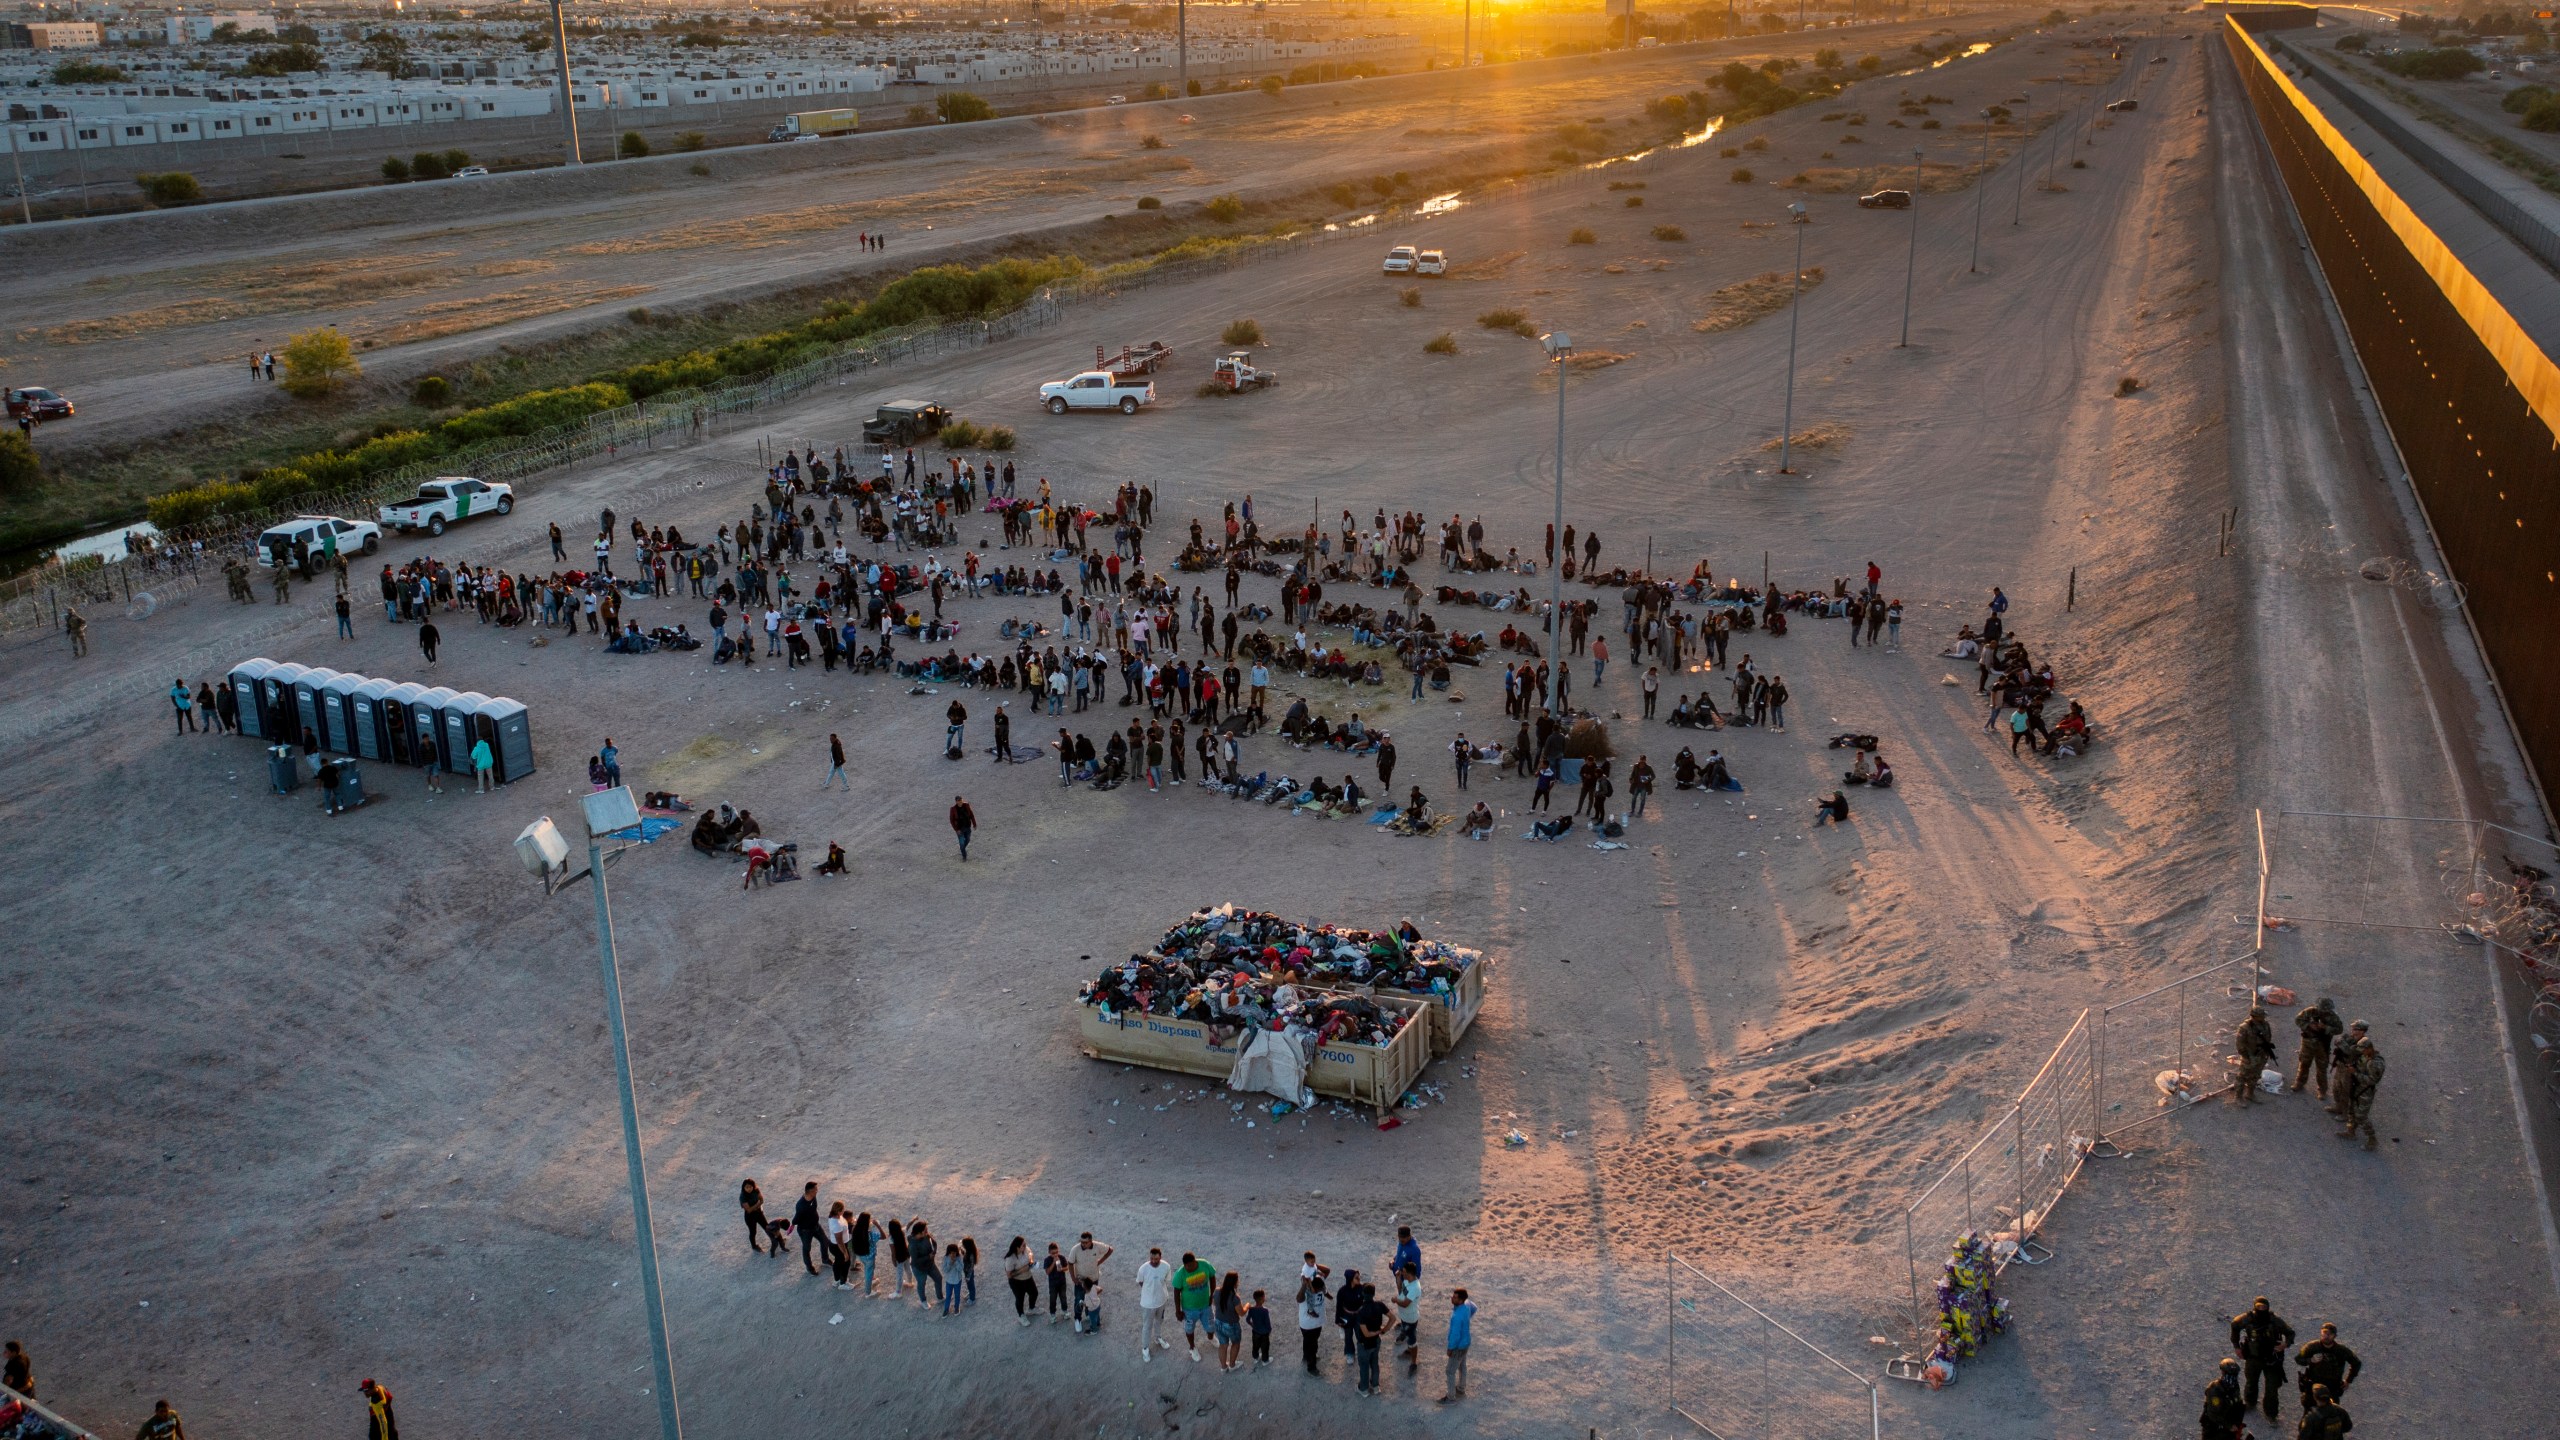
(1981, 185)
(1559, 348)
(1795, 310)
(1911, 266)
(568, 107)
(545, 853)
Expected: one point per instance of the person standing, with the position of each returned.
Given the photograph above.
(2368, 1080)
(1004, 735)
(2326, 1362)
(431, 760)
(2323, 1417)
(1652, 689)
(557, 551)
(76, 625)
(183, 703)
(1462, 1321)
(964, 823)
(2319, 1027)
(804, 1221)
(839, 1228)
(1154, 1294)
(1386, 764)
(751, 1203)
(428, 635)
(1311, 1302)
(346, 618)
(1084, 1262)
(1640, 785)
(1194, 1287)
(1226, 1321)
(2224, 1417)
(1465, 756)
(1368, 1332)
(955, 732)
(2342, 1073)
(17, 1371)
(1599, 660)
(2260, 1338)
(2256, 1045)
(483, 765)
(164, 1424)
(835, 764)
(1408, 1251)
(1408, 1309)
(379, 1423)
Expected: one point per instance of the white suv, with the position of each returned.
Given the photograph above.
(306, 542)
(1431, 262)
(1400, 261)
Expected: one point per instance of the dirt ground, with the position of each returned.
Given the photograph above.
(146, 320)
(355, 1067)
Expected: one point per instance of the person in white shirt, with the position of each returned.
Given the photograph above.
(1155, 1292)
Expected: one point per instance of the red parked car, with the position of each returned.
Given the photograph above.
(37, 403)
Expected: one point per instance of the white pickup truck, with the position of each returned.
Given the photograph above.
(1097, 390)
(445, 499)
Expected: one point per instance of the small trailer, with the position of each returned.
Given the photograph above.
(1134, 360)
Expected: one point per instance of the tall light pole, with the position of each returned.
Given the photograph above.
(568, 108)
(1181, 47)
(1911, 267)
(1560, 350)
(1981, 185)
(545, 853)
(1795, 310)
(2018, 208)
(25, 215)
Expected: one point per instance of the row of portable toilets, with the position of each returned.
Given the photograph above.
(379, 719)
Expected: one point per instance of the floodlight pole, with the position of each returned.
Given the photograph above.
(1982, 184)
(670, 1424)
(1795, 312)
(1181, 47)
(26, 215)
(1911, 267)
(1555, 562)
(568, 107)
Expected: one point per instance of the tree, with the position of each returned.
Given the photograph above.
(226, 32)
(429, 165)
(283, 60)
(634, 145)
(1226, 209)
(959, 105)
(1270, 84)
(298, 35)
(319, 363)
(454, 160)
(175, 187)
(20, 469)
(692, 140)
(385, 51)
(395, 169)
(88, 72)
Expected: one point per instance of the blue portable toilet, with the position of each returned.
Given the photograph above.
(399, 724)
(276, 703)
(426, 722)
(310, 706)
(242, 682)
(508, 727)
(365, 714)
(337, 710)
(458, 730)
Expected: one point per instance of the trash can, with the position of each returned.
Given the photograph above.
(338, 712)
(243, 684)
(284, 769)
(365, 713)
(341, 786)
(508, 728)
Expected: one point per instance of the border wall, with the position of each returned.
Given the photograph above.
(2472, 401)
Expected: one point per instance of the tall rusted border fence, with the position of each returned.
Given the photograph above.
(2471, 399)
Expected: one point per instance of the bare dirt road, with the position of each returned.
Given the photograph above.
(334, 1093)
(148, 319)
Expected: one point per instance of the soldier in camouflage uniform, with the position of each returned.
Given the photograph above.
(2368, 1079)
(2319, 1026)
(2256, 1044)
(2342, 1072)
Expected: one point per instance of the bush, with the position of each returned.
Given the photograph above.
(960, 106)
(919, 114)
(2521, 98)
(2128, 386)
(1669, 232)
(1826, 58)
(691, 140)
(2449, 63)
(318, 362)
(1635, 202)
(1741, 177)
(20, 468)
(1150, 142)
(2544, 115)
(1270, 84)
(1226, 209)
(633, 146)
(999, 437)
(395, 169)
(1193, 88)
(1581, 236)
(699, 168)
(2352, 44)
(173, 187)
(456, 159)
(1149, 202)
(963, 435)
(534, 410)
(1242, 332)
(1626, 184)
(432, 392)
(429, 165)
(638, 315)
(1511, 320)
(1443, 343)
(88, 72)
(1345, 195)
(1411, 297)
(1756, 142)
(1870, 63)
(1929, 125)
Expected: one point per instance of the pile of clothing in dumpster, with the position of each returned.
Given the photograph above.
(1399, 961)
(1233, 998)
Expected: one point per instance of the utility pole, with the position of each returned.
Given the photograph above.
(1911, 266)
(1795, 310)
(1981, 184)
(25, 214)
(1182, 47)
(1559, 347)
(568, 107)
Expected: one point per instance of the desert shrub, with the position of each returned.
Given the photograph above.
(1443, 343)
(1225, 209)
(2544, 115)
(395, 169)
(2451, 62)
(1150, 142)
(691, 140)
(318, 363)
(20, 467)
(429, 165)
(634, 145)
(433, 392)
(698, 168)
(2521, 98)
(1000, 437)
(1242, 332)
(1507, 319)
(1635, 202)
(2128, 386)
(172, 187)
(1345, 195)
(1731, 152)
(1870, 63)
(1741, 176)
(456, 159)
(534, 410)
(960, 106)
(2352, 44)
(1669, 232)
(1411, 296)
(1149, 202)
(1929, 125)
(1581, 236)
(1756, 142)
(963, 435)
(1270, 84)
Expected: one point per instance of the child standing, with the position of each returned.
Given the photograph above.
(1257, 1318)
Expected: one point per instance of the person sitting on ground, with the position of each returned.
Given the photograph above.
(1417, 811)
(1718, 777)
(596, 773)
(1883, 778)
(2071, 733)
(1480, 821)
(1834, 811)
(835, 861)
(1858, 771)
(1351, 793)
(1684, 769)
